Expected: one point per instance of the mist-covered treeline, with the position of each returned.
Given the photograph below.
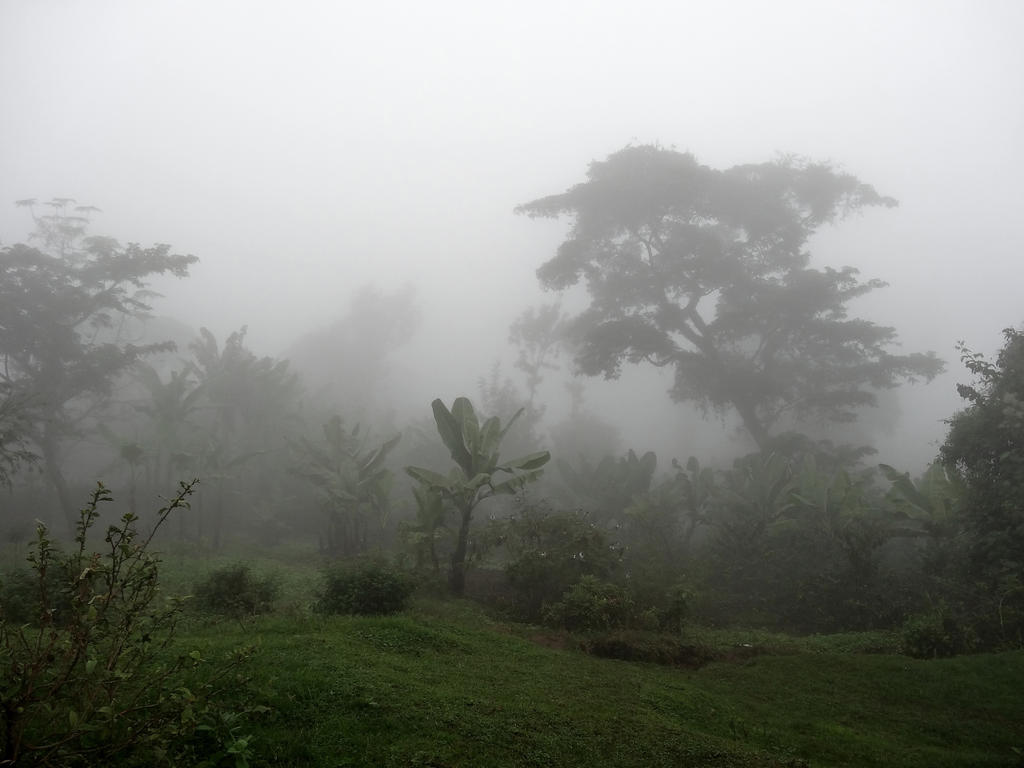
(669, 264)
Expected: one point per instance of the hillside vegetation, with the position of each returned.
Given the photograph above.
(443, 685)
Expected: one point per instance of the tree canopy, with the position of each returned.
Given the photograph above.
(62, 345)
(986, 444)
(707, 271)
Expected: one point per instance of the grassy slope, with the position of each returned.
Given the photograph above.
(443, 686)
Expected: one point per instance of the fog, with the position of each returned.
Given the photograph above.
(305, 150)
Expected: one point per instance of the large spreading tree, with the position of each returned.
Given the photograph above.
(707, 271)
(62, 313)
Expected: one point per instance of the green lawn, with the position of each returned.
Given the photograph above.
(443, 685)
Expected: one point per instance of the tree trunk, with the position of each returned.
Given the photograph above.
(51, 456)
(433, 550)
(457, 576)
(218, 518)
(751, 422)
(746, 409)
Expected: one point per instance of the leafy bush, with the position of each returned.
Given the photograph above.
(234, 591)
(368, 588)
(592, 604)
(549, 552)
(652, 647)
(93, 675)
(937, 633)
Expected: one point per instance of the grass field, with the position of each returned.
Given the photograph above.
(444, 685)
(447, 684)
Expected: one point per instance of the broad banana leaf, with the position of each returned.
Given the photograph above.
(511, 421)
(429, 477)
(377, 457)
(450, 431)
(490, 436)
(530, 461)
(469, 425)
(514, 484)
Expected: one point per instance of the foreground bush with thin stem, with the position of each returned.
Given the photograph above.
(92, 676)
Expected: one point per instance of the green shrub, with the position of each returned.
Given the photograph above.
(368, 588)
(937, 633)
(234, 591)
(652, 647)
(93, 678)
(592, 604)
(549, 552)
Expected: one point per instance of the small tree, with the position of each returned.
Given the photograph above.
(474, 448)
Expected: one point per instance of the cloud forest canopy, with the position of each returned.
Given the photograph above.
(707, 271)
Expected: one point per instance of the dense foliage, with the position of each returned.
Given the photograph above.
(986, 446)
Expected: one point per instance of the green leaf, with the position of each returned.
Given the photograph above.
(428, 477)
(377, 457)
(905, 487)
(511, 421)
(478, 480)
(490, 436)
(649, 462)
(516, 483)
(451, 434)
(465, 416)
(530, 461)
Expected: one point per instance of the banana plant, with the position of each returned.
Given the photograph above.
(169, 409)
(613, 485)
(756, 496)
(695, 486)
(422, 534)
(353, 483)
(835, 507)
(932, 505)
(828, 500)
(479, 472)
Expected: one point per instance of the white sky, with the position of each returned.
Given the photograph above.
(302, 149)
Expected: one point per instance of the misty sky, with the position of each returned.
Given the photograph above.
(304, 149)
